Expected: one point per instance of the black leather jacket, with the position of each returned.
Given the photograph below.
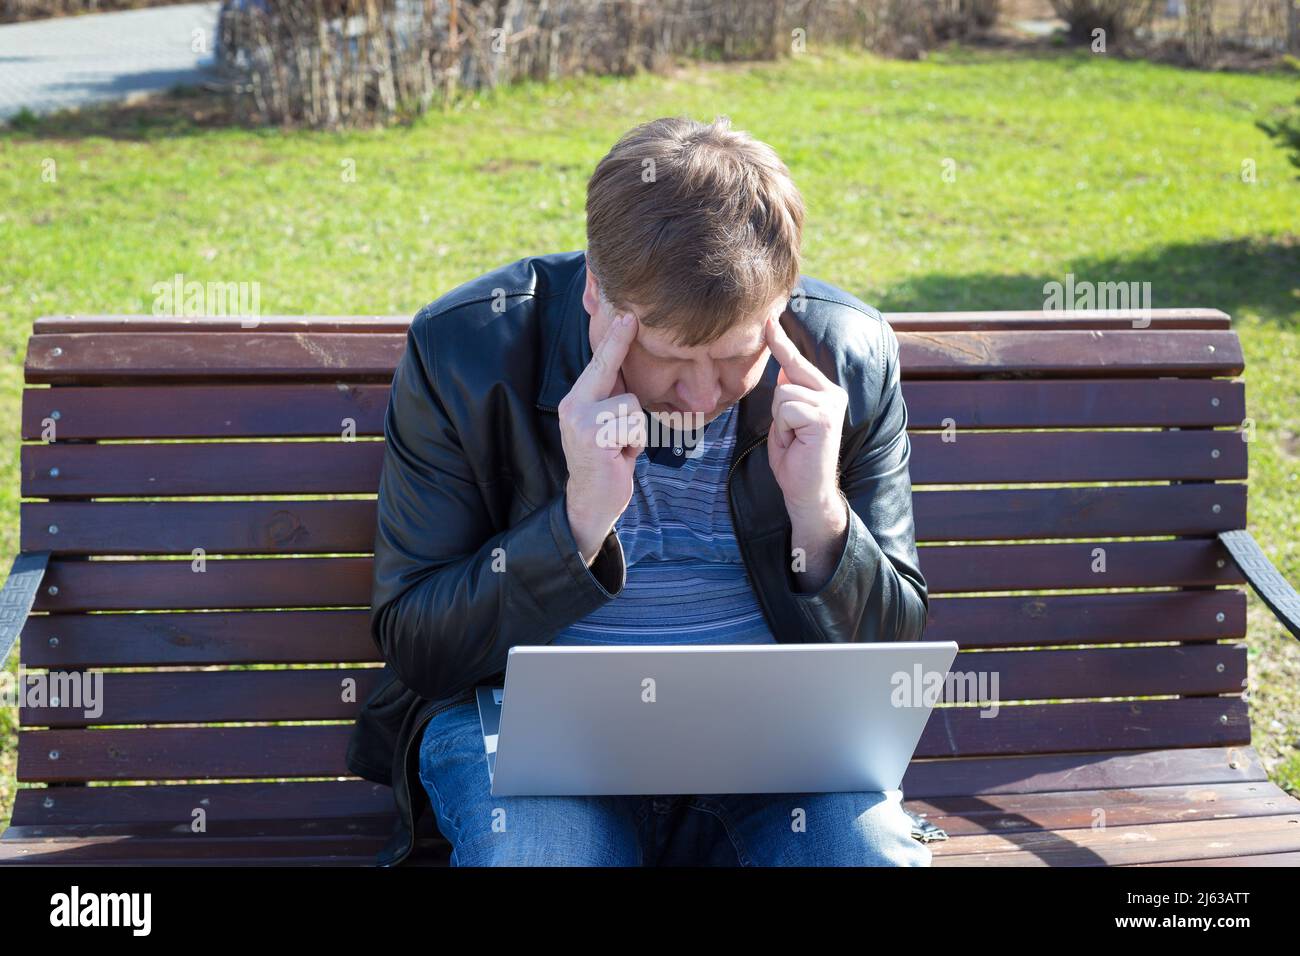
(473, 550)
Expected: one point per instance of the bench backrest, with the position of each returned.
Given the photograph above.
(173, 435)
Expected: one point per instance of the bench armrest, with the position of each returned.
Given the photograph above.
(1268, 583)
(18, 595)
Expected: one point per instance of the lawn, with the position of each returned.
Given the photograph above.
(1064, 163)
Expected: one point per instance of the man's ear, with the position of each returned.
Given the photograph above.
(592, 294)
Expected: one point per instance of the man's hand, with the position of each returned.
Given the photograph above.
(803, 450)
(603, 430)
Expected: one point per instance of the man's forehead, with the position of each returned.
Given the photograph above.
(745, 338)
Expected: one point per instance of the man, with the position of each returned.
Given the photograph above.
(523, 502)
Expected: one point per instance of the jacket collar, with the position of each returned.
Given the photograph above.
(566, 335)
(568, 345)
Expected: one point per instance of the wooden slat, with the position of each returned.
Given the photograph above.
(1126, 845)
(987, 457)
(353, 467)
(252, 355)
(333, 527)
(127, 324)
(190, 753)
(232, 583)
(1196, 669)
(225, 583)
(1083, 727)
(905, 321)
(196, 850)
(317, 750)
(65, 641)
(1047, 619)
(1072, 403)
(307, 827)
(226, 468)
(268, 411)
(257, 355)
(1078, 809)
(980, 567)
(1073, 354)
(192, 697)
(71, 641)
(1005, 514)
(944, 779)
(182, 697)
(214, 411)
(225, 803)
(219, 527)
(1258, 859)
(1063, 319)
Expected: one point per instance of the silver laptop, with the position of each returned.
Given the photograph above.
(716, 718)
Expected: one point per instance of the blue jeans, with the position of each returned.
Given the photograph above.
(865, 828)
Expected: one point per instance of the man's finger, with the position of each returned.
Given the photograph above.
(601, 375)
(792, 416)
(798, 369)
(620, 423)
(789, 392)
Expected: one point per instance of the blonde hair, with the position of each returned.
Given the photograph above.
(698, 223)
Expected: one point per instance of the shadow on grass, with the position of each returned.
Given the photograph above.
(182, 111)
(1239, 276)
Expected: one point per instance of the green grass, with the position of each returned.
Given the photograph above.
(1065, 162)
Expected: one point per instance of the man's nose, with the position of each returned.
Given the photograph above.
(699, 394)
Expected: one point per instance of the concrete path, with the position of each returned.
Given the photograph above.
(48, 65)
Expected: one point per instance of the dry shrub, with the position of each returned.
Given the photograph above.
(15, 10)
(1121, 19)
(351, 62)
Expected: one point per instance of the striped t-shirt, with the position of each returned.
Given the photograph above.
(686, 581)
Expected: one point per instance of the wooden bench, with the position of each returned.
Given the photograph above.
(223, 699)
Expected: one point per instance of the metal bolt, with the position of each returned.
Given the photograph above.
(1219, 617)
(1216, 509)
(54, 529)
(1219, 563)
(1210, 347)
(54, 472)
(53, 589)
(55, 415)
(56, 351)
(1219, 668)
(1214, 453)
(677, 452)
(54, 702)
(54, 642)
(54, 755)
(49, 802)
(1214, 402)
(1223, 718)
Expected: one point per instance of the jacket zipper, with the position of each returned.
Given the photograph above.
(731, 471)
(744, 550)
(731, 500)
